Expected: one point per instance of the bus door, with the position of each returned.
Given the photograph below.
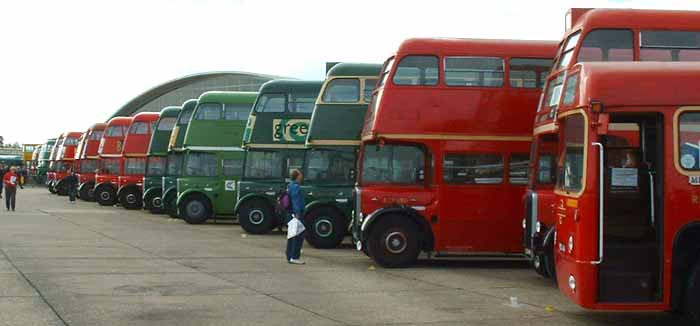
(472, 209)
(232, 170)
(632, 158)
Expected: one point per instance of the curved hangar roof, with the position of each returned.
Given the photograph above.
(191, 86)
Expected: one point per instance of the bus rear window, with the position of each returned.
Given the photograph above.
(398, 164)
(669, 46)
(342, 90)
(607, 45)
(236, 112)
(571, 163)
(528, 73)
(208, 111)
(474, 71)
(417, 70)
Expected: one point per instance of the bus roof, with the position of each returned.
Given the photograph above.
(655, 83)
(290, 86)
(98, 126)
(177, 137)
(637, 18)
(355, 69)
(478, 47)
(120, 121)
(146, 116)
(228, 97)
(170, 111)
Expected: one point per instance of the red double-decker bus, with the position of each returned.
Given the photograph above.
(593, 35)
(445, 146)
(111, 163)
(86, 160)
(628, 183)
(65, 160)
(130, 181)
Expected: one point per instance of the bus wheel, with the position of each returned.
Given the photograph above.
(327, 227)
(105, 195)
(170, 205)
(692, 295)
(51, 188)
(256, 217)
(84, 193)
(62, 188)
(195, 209)
(153, 202)
(537, 262)
(130, 199)
(393, 242)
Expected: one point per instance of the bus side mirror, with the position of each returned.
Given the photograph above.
(603, 123)
(420, 174)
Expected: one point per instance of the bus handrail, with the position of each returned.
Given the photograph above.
(600, 202)
(651, 195)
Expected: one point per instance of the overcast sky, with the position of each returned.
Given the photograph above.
(65, 65)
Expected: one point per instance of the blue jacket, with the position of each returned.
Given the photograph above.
(297, 198)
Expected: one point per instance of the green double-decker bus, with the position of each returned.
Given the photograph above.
(332, 147)
(42, 166)
(175, 158)
(157, 157)
(274, 140)
(214, 157)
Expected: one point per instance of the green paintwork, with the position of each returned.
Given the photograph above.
(44, 156)
(221, 138)
(175, 147)
(355, 69)
(159, 147)
(281, 128)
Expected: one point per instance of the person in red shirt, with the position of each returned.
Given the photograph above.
(11, 181)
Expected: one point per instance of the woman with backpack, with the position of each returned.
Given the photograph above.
(295, 234)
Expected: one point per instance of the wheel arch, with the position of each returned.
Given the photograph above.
(317, 204)
(152, 190)
(686, 251)
(194, 192)
(126, 187)
(251, 196)
(86, 184)
(424, 228)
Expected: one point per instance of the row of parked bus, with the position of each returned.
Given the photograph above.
(435, 151)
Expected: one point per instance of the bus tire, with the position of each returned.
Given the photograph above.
(170, 205)
(62, 188)
(537, 262)
(195, 209)
(51, 188)
(692, 295)
(326, 227)
(153, 202)
(256, 217)
(105, 195)
(130, 198)
(393, 242)
(89, 192)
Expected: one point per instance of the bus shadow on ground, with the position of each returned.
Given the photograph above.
(473, 263)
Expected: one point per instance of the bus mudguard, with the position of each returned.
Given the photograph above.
(414, 215)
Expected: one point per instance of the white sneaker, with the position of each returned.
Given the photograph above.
(297, 262)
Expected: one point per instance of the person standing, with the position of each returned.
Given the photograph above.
(298, 203)
(11, 182)
(72, 184)
(2, 173)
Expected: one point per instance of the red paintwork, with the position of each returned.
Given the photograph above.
(87, 150)
(66, 154)
(469, 219)
(111, 146)
(657, 87)
(136, 146)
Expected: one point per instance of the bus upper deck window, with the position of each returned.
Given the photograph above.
(528, 72)
(139, 128)
(417, 70)
(370, 85)
(669, 46)
(301, 103)
(342, 90)
(236, 112)
(474, 71)
(208, 111)
(607, 45)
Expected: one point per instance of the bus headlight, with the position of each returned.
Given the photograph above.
(571, 243)
(538, 227)
(572, 283)
(524, 225)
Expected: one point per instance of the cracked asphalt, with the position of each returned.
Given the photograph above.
(83, 264)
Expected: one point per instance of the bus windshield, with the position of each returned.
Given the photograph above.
(174, 164)
(155, 166)
(330, 166)
(88, 166)
(135, 166)
(571, 161)
(400, 164)
(109, 166)
(201, 165)
(272, 164)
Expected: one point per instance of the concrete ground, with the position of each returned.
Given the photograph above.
(89, 265)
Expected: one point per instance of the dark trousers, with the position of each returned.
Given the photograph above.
(10, 194)
(294, 246)
(71, 193)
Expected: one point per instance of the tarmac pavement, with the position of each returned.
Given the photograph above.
(82, 264)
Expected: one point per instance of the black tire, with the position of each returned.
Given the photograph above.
(326, 227)
(153, 202)
(256, 216)
(51, 188)
(130, 198)
(87, 192)
(195, 209)
(62, 188)
(393, 242)
(537, 262)
(170, 205)
(105, 195)
(692, 295)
